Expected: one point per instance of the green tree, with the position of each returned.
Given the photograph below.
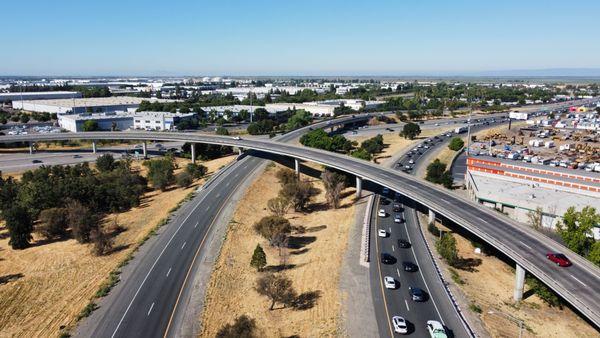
(269, 227)
(53, 223)
(184, 179)
(90, 125)
(20, 225)
(161, 172)
(410, 130)
(300, 119)
(196, 170)
(259, 258)
(437, 173)
(81, 220)
(24, 118)
(446, 247)
(299, 193)
(105, 163)
(278, 205)
(362, 154)
(222, 131)
(373, 145)
(242, 327)
(277, 288)
(594, 255)
(456, 144)
(576, 228)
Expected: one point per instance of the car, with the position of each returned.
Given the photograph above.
(411, 161)
(382, 233)
(76, 156)
(386, 258)
(436, 329)
(237, 138)
(426, 147)
(36, 161)
(417, 294)
(385, 191)
(404, 244)
(397, 207)
(396, 195)
(397, 218)
(381, 213)
(399, 325)
(389, 282)
(559, 259)
(409, 266)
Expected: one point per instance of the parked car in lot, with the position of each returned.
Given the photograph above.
(389, 282)
(386, 258)
(409, 266)
(399, 324)
(436, 329)
(382, 233)
(381, 213)
(559, 259)
(398, 219)
(417, 294)
(404, 244)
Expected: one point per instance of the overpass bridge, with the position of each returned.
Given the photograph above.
(578, 285)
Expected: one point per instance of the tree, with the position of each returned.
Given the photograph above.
(300, 119)
(81, 220)
(373, 145)
(222, 131)
(161, 172)
(286, 176)
(446, 247)
(24, 118)
(362, 154)
(298, 192)
(242, 327)
(271, 226)
(278, 205)
(259, 258)
(456, 144)
(410, 130)
(105, 163)
(334, 184)
(576, 227)
(90, 125)
(277, 288)
(437, 173)
(594, 255)
(196, 170)
(184, 179)
(102, 242)
(20, 225)
(53, 223)
(535, 218)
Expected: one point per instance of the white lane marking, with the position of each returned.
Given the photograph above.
(151, 307)
(228, 183)
(406, 302)
(196, 224)
(208, 208)
(393, 248)
(582, 283)
(218, 195)
(183, 246)
(525, 245)
(390, 230)
(398, 272)
(168, 272)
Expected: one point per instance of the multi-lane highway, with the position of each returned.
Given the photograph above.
(522, 244)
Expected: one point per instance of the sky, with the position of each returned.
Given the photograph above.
(296, 37)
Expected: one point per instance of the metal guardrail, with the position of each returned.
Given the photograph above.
(365, 245)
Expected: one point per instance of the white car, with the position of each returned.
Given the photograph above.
(382, 233)
(237, 138)
(397, 219)
(399, 325)
(411, 161)
(381, 213)
(436, 329)
(389, 282)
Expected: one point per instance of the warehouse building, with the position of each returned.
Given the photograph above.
(11, 97)
(159, 120)
(106, 121)
(81, 105)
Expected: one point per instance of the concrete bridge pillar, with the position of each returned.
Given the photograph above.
(358, 186)
(297, 167)
(519, 283)
(193, 148)
(94, 147)
(30, 148)
(240, 151)
(145, 150)
(431, 216)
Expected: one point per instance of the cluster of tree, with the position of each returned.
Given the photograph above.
(410, 131)
(437, 173)
(456, 144)
(320, 139)
(261, 127)
(300, 119)
(206, 152)
(446, 247)
(575, 229)
(68, 198)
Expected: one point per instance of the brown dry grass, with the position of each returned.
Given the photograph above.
(491, 288)
(231, 289)
(59, 278)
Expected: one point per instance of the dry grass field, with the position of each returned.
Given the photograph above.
(317, 264)
(43, 288)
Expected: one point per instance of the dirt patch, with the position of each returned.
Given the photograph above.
(316, 266)
(490, 287)
(46, 286)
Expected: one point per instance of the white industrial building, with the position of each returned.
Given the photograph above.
(324, 108)
(159, 120)
(11, 97)
(106, 121)
(80, 106)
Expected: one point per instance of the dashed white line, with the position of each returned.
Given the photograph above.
(168, 272)
(228, 183)
(390, 230)
(582, 283)
(183, 246)
(196, 224)
(398, 272)
(406, 302)
(150, 310)
(393, 248)
(218, 195)
(208, 208)
(525, 245)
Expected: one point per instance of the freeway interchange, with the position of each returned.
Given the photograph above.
(521, 244)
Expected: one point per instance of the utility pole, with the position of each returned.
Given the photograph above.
(469, 124)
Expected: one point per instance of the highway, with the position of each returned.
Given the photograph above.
(520, 243)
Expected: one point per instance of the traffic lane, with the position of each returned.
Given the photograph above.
(400, 300)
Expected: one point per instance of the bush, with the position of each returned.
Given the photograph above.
(53, 223)
(456, 144)
(81, 220)
(105, 163)
(102, 242)
(222, 131)
(446, 247)
(437, 173)
(299, 193)
(20, 225)
(286, 176)
(361, 154)
(184, 179)
(196, 170)
(160, 172)
(475, 308)
(269, 227)
(547, 295)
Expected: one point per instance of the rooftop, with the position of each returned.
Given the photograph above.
(93, 101)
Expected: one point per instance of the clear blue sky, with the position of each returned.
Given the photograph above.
(295, 37)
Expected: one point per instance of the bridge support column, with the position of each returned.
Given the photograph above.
(145, 150)
(193, 148)
(240, 151)
(431, 216)
(297, 167)
(358, 186)
(94, 147)
(519, 283)
(30, 148)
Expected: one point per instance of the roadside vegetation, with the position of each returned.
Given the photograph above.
(320, 139)
(437, 173)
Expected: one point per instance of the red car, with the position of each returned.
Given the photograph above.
(559, 259)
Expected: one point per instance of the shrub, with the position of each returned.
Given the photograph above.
(270, 227)
(184, 180)
(446, 247)
(53, 223)
(456, 144)
(242, 327)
